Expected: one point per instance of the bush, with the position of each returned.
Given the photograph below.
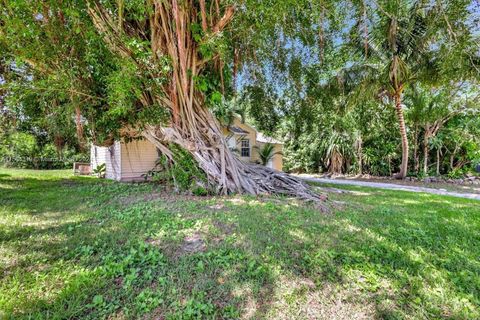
(456, 174)
(22, 150)
(183, 173)
(476, 166)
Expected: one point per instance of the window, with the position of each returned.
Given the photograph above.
(245, 151)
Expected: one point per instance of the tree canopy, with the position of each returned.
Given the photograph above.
(351, 86)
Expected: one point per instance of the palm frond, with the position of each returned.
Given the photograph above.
(266, 152)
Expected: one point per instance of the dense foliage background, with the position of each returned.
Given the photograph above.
(323, 76)
(327, 79)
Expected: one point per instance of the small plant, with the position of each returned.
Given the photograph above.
(147, 300)
(159, 173)
(266, 153)
(197, 307)
(456, 173)
(421, 175)
(100, 170)
(200, 191)
(476, 166)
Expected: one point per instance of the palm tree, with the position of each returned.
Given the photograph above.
(338, 147)
(266, 153)
(431, 109)
(437, 143)
(397, 57)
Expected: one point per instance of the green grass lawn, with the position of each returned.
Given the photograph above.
(78, 247)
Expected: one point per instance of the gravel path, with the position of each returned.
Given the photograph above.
(392, 186)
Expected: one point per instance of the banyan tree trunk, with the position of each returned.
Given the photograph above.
(192, 125)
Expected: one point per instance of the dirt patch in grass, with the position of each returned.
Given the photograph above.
(118, 281)
(157, 314)
(133, 199)
(198, 241)
(301, 298)
(119, 316)
(329, 304)
(217, 206)
(154, 242)
(192, 244)
(225, 228)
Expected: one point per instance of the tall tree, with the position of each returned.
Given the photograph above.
(398, 47)
(404, 50)
(165, 57)
(181, 44)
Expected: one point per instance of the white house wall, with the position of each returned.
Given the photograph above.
(108, 155)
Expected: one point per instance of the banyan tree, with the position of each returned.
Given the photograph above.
(182, 41)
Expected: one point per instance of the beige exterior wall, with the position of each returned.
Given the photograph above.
(278, 158)
(138, 157)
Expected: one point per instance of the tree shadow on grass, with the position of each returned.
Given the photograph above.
(263, 258)
(285, 261)
(398, 259)
(35, 196)
(57, 244)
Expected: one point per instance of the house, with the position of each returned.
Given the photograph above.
(127, 161)
(246, 140)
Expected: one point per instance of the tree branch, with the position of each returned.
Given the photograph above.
(227, 17)
(204, 15)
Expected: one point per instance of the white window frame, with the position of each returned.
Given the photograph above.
(245, 148)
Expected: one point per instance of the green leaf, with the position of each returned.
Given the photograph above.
(97, 300)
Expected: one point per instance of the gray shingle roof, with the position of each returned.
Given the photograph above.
(237, 130)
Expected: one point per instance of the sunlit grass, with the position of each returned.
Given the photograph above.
(76, 247)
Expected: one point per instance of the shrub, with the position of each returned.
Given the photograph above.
(22, 150)
(183, 173)
(456, 173)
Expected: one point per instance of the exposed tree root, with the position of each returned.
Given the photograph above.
(232, 175)
(270, 181)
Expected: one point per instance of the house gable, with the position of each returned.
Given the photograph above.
(238, 131)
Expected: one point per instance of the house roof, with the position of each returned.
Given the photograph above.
(260, 136)
(264, 139)
(237, 130)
